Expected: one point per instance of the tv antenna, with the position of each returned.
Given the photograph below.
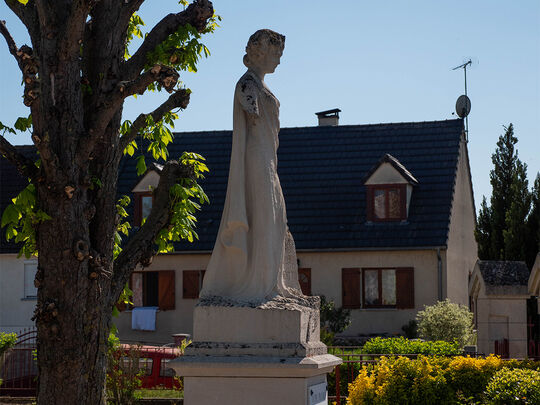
(463, 103)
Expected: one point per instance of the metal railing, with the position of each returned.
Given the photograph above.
(18, 366)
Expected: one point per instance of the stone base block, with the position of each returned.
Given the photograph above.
(254, 380)
(255, 325)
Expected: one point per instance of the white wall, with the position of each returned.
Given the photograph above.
(16, 310)
(462, 247)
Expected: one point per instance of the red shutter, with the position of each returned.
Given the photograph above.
(304, 279)
(405, 287)
(350, 288)
(190, 284)
(403, 197)
(369, 203)
(136, 209)
(166, 295)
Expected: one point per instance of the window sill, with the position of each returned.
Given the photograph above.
(29, 299)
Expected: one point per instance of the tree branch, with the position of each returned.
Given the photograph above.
(179, 99)
(196, 14)
(22, 11)
(140, 248)
(164, 75)
(24, 165)
(11, 44)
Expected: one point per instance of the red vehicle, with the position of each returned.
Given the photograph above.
(153, 361)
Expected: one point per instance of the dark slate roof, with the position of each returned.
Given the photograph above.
(504, 273)
(321, 171)
(11, 184)
(396, 164)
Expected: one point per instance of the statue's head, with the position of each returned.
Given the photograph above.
(263, 50)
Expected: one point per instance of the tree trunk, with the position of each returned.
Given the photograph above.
(76, 79)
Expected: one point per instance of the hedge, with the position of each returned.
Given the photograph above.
(401, 345)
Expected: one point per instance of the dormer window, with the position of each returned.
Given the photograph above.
(389, 188)
(387, 202)
(143, 195)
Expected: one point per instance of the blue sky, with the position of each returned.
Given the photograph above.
(385, 61)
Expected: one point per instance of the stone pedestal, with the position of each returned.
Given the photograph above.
(266, 355)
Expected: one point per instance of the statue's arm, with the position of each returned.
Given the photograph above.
(248, 95)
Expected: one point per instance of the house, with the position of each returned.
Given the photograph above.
(382, 216)
(533, 310)
(18, 294)
(499, 295)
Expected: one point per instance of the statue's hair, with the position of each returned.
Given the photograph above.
(260, 38)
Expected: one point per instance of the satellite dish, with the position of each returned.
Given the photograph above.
(463, 106)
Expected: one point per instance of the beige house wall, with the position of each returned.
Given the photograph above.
(16, 311)
(179, 320)
(500, 317)
(462, 247)
(325, 280)
(501, 314)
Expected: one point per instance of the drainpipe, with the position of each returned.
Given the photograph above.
(439, 273)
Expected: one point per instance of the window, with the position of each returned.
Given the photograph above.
(153, 289)
(304, 279)
(387, 202)
(377, 288)
(30, 269)
(388, 288)
(192, 283)
(143, 206)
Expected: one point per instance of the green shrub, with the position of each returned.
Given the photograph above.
(123, 374)
(332, 320)
(410, 329)
(446, 321)
(401, 345)
(7, 341)
(514, 386)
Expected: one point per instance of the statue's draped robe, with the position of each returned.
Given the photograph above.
(249, 260)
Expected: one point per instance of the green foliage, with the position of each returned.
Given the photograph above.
(333, 320)
(446, 321)
(401, 345)
(440, 380)
(533, 225)
(159, 134)
(507, 229)
(517, 386)
(182, 50)
(21, 218)
(410, 329)
(7, 341)
(187, 196)
(123, 374)
(123, 226)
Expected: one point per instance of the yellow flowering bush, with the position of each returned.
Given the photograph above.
(429, 380)
(517, 386)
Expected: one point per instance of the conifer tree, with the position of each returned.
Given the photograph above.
(503, 229)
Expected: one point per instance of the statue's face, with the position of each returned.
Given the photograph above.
(269, 59)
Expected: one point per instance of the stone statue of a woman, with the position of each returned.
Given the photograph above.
(254, 259)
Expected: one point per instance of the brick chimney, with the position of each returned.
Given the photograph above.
(329, 118)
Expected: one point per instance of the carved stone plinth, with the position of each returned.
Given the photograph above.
(246, 354)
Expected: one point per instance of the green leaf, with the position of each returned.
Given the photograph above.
(11, 214)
